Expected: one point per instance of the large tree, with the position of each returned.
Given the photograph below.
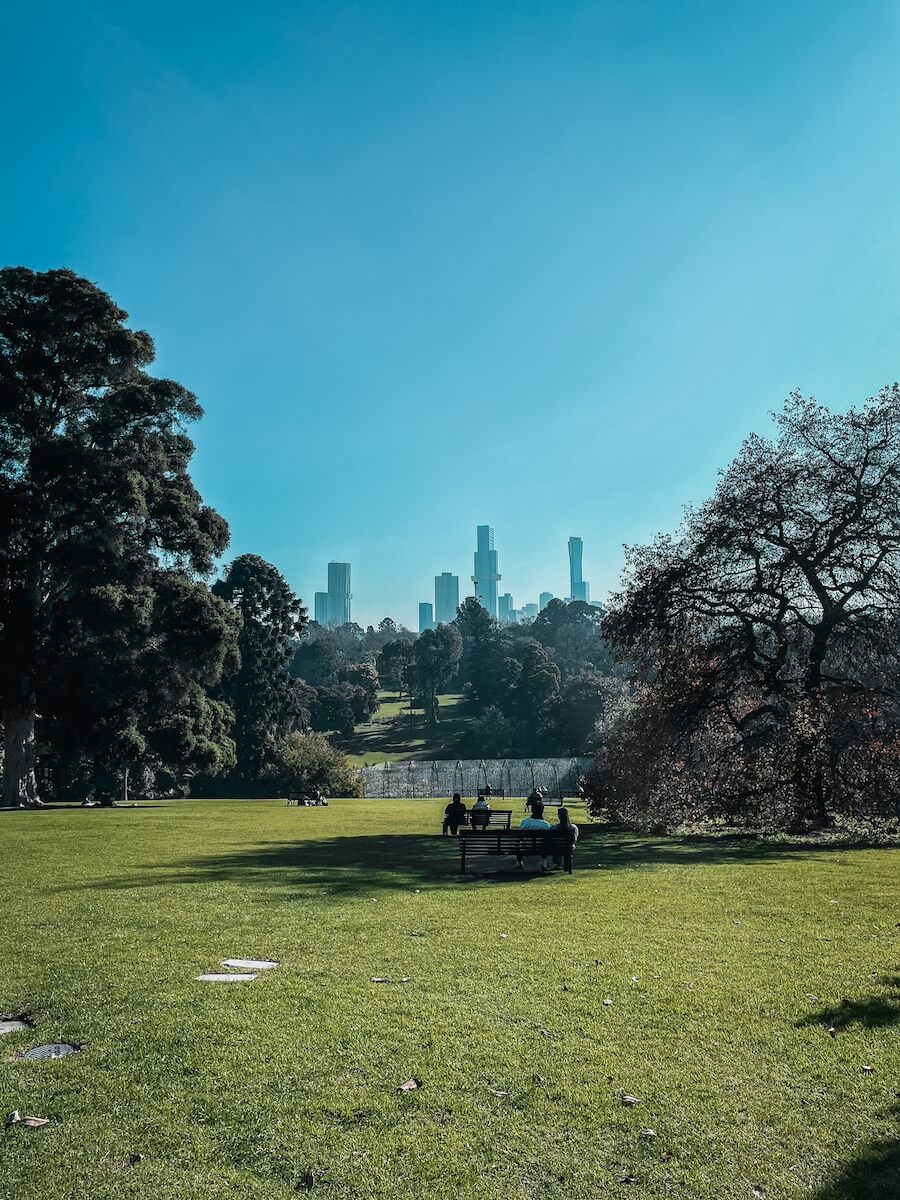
(768, 631)
(267, 701)
(437, 654)
(94, 484)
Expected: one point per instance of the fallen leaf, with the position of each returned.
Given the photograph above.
(494, 1092)
(648, 1134)
(634, 979)
(35, 1122)
(810, 996)
(378, 979)
(868, 1070)
(134, 1159)
(12, 1118)
(666, 1156)
(306, 1182)
(607, 1002)
(629, 1101)
(757, 1191)
(627, 1179)
(538, 1078)
(410, 1085)
(832, 1032)
(504, 935)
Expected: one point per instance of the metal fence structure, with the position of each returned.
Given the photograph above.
(512, 776)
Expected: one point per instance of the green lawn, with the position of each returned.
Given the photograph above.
(395, 733)
(726, 963)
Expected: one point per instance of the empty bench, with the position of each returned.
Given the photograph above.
(495, 843)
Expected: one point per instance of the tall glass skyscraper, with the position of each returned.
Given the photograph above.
(446, 597)
(426, 616)
(339, 593)
(486, 575)
(578, 588)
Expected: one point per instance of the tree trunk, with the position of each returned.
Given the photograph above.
(19, 756)
(123, 795)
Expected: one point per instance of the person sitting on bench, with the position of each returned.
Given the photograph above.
(454, 815)
(535, 821)
(567, 827)
(480, 814)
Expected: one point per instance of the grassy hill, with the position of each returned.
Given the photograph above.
(699, 976)
(395, 732)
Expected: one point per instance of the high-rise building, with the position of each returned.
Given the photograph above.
(486, 574)
(321, 608)
(545, 599)
(579, 589)
(446, 597)
(505, 604)
(426, 616)
(339, 593)
(528, 612)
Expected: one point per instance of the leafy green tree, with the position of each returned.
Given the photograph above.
(265, 699)
(363, 678)
(536, 687)
(305, 761)
(94, 486)
(437, 655)
(317, 660)
(395, 663)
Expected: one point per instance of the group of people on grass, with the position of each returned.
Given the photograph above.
(479, 816)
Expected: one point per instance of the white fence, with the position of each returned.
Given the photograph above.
(513, 776)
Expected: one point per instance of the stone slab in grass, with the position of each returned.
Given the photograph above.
(13, 1025)
(250, 964)
(231, 977)
(51, 1050)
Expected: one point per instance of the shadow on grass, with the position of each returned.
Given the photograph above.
(362, 863)
(873, 1175)
(872, 1012)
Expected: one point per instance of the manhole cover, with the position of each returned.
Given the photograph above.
(250, 964)
(54, 1050)
(13, 1025)
(213, 977)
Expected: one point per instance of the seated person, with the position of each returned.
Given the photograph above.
(535, 801)
(454, 815)
(567, 826)
(480, 814)
(535, 821)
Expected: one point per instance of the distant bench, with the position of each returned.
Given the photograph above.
(498, 818)
(495, 843)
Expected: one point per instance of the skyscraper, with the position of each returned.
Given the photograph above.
(544, 599)
(338, 593)
(486, 575)
(321, 608)
(505, 603)
(426, 616)
(578, 588)
(446, 597)
(529, 612)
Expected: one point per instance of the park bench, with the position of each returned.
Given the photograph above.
(495, 843)
(500, 818)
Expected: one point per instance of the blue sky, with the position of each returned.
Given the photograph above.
(538, 265)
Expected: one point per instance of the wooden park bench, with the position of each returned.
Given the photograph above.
(499, 818)
(495, 843)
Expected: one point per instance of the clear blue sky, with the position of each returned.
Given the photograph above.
(429, 265)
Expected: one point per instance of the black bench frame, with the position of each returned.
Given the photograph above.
(495, 843)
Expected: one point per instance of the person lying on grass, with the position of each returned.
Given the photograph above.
(535, 821)
(454, 815)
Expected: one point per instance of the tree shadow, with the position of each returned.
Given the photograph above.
(873, 1175)
(871, 1012)
(369, 862)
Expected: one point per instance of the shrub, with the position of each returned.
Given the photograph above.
(308, 760)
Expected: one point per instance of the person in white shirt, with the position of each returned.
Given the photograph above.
(535, 821)
(480, 813)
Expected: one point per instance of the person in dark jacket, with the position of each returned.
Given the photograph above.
(454, 815)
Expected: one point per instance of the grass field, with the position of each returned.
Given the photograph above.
(726, 963)
(395, 733)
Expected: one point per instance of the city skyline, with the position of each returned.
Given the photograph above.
(447, 596)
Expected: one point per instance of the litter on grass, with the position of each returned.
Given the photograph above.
(250, 964)
(53, 1050)
(221, 977)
